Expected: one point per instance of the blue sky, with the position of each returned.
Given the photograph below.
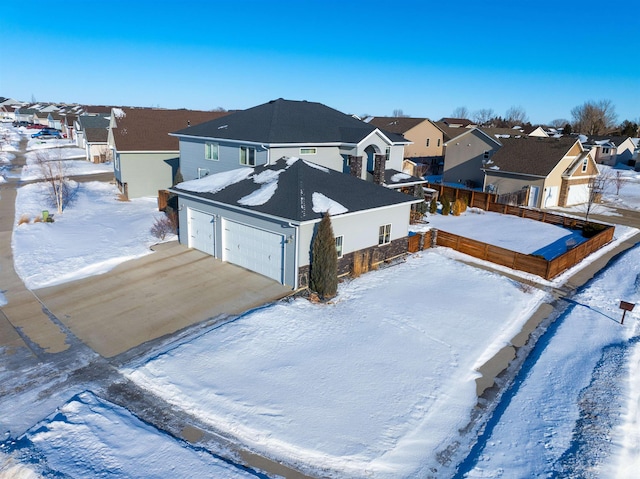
(423, 57)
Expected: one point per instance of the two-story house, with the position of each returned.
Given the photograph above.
(258, 181)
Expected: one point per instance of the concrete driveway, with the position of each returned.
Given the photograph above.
(155, 296)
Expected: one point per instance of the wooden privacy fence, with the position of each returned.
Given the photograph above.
(523, 262)
(537, 265)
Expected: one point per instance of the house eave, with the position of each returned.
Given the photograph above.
(281, 218)
(512, 173)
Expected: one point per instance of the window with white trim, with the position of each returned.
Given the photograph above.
(211, 151)
(387, 153)
(384, 234)
(247, 156)
(339, 242)
(308, 151)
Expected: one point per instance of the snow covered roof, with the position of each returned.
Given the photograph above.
(293, 189)
(398, 179)
(288, 122)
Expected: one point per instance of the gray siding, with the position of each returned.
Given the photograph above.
(146, 173)
(511, 183)
(192, 157)
(464, 157)
(359, 230)
(247, 218)
(327, 156)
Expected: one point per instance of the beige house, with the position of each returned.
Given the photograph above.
(425, 155)
(552, 171)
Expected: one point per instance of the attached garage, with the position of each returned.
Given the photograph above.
(253, 248)
(578, 194)
(201, 228)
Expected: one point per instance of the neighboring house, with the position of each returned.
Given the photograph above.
(96, 145)
(67, 125)
(312, 131)
(84, 123)
(145, 157)
(425, 153)
(555, 171)
(25, 114)
(515, 132)
(466, 152)
(54, 120)
(535, 131)
(456, 122)
(610, 150)
(263, 218)
(7, 108)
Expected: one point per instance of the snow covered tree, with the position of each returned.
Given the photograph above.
(324, 261)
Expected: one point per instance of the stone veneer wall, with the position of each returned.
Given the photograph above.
(376, 255)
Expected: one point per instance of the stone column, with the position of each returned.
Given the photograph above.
(378, 169)
(355, 166)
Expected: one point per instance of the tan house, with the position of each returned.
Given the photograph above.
(552, 171)
(425, 155)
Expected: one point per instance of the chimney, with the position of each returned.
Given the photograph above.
(355, 166)
(378, 169)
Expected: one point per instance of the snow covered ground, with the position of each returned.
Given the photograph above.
(376, 384)
(88, 437)
(575, 415)
(522, 235)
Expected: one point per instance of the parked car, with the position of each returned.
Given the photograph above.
(36, 125)
(47, 133)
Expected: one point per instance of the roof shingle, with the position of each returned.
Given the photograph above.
(297, 181)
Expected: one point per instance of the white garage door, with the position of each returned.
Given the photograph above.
(252, 248)
(201, 231)
(578, 194)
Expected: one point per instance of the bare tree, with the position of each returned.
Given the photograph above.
(398, 113)
(483, 116)
(597, 186)
(618, 181)
(594, 117)
(516, 115)
(460, 112)
(558, 122)
(53, 173)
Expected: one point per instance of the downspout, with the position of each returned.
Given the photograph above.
(295, 256)
(268, 154)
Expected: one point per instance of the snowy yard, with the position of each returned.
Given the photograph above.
(522, 235)
(376, 384)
